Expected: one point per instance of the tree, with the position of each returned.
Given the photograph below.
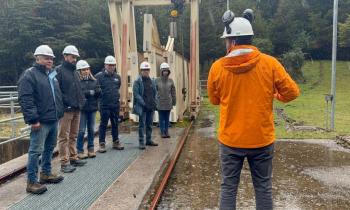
(344, 33)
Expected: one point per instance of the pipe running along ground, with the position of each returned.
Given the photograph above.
(166, 177)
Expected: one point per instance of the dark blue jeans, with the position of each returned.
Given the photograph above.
(109, 114)
(87, 120)
(145, 122)
(42, 142)
(260, 164)
(164, 121)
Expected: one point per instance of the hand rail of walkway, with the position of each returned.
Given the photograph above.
(11, 100)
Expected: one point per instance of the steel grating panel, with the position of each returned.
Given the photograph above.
(81, 188)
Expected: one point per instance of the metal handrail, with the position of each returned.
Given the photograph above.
(11, 119)
(7, 87)
(4, 100)
(14, 139)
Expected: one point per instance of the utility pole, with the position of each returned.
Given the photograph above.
(334, 60)
(228, 4)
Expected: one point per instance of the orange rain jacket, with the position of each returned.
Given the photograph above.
(244, 84)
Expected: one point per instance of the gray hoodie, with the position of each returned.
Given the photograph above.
(166, 93)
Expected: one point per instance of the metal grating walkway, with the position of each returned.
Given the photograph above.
(81, 188)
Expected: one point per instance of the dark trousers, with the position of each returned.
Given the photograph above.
(260, 164)
(145, 123)
(109, 114)
(164, 121)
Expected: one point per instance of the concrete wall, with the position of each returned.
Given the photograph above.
(13, 150)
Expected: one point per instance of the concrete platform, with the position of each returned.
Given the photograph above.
(113, 180)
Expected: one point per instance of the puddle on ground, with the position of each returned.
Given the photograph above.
(313, 174)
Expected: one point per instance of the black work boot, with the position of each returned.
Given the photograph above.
(163, 135)
(35, 188)
(50, 179)
(142, 146)
(151, 143)
(77, 162)
(117, 145)
(67, 168)
(167, 135)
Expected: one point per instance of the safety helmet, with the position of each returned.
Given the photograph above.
(44, 50)
(71, 50)
(110, 60)
(164, 66)
(82, 64)
(145, 65)
(237, 26)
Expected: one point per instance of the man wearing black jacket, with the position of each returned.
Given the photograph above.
(110, 83)
(73, 101)
(41, 103)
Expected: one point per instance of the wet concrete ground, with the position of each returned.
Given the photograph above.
(308, 174)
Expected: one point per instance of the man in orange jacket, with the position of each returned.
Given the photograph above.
(244, 83)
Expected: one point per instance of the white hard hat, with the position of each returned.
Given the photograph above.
(44, 50)
(164, 66)
(239, 27)
(110, 60)
(145, 65)
(82, 64)
(71, 50)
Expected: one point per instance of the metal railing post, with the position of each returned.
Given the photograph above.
(12, 103)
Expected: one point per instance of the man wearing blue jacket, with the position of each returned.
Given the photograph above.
(40, 99)
(110, 83)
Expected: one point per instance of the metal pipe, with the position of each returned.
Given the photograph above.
(4, 100)
(9, 106)
(10, 119)
(13, 116)
(13, 139)
(334, 60)
(170, 169)
(7, 87)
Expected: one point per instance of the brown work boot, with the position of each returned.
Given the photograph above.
(82, 156)
(91, 154)
(50, 179)
(102, 148)
(35, 188)
(117, 145)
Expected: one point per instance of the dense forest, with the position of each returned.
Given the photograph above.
(292, 30)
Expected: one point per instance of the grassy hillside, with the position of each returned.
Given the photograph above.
(310, 107)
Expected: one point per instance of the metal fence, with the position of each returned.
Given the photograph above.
(9, 103)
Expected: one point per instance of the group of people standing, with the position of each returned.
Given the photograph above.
(61, 103)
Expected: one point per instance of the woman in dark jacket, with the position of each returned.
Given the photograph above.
(166, 96)
(91, 91)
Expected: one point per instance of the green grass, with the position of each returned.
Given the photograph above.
(310, 107)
